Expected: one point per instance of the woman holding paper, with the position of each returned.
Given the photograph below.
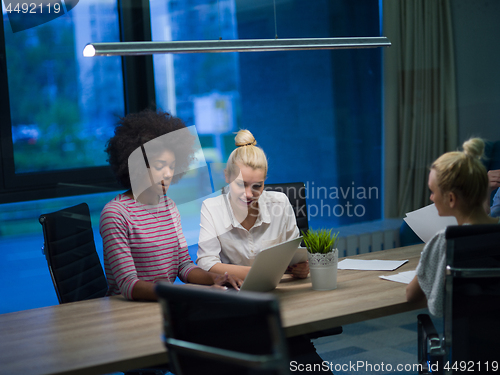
(458, 183)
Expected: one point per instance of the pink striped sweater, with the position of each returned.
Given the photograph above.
(142, 243)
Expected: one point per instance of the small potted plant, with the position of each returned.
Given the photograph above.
(323, 258)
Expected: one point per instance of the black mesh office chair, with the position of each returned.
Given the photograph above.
(71, 255)
(209, 331)
(296, 193)
(471, 319)
(73, 262)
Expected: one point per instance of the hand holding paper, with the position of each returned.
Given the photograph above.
(426, 222)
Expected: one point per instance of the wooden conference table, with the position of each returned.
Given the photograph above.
(112, 334)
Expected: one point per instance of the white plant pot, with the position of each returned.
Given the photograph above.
(323, 269)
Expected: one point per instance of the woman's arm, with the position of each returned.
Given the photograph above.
(291, 228)
(233, 269)
(113, 229)
(199, 276)
(298, 270)
(120, 267)
(414, 292)
(144, 290)
(209, 247)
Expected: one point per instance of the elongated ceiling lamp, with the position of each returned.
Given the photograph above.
(241, 45)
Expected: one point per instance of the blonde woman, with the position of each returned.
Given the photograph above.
(459, 184)
(245, 219)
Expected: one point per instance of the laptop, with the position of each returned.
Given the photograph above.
(269, 266)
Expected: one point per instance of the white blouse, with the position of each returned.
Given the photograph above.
(224, 240)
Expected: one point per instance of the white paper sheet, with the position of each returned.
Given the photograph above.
(426, 222)
(300, 256)
(402, 277)
(370, 265)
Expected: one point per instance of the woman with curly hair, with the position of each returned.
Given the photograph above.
(141, 228)
(459, 184)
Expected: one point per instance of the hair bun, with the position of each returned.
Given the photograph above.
(244, 138)
(474, 148)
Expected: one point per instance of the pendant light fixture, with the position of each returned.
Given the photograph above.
(240, 45)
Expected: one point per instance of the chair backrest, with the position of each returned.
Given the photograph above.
(212, 331)
(296, 193)
(472, 294)
(71, 255)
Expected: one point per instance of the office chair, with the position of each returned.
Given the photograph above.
(209, 331)
(471, 308)
(296, 193)
(71, 255)
(73, 262)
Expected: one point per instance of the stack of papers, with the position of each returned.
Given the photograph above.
(379, 265)
(426, 222)
(402, 277)
(370, 265)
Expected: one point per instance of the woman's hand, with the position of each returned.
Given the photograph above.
(299, 270)
(494, 179)
(220, 281)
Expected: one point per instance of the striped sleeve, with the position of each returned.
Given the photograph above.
(118, 261)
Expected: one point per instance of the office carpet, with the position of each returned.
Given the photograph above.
(379, 346)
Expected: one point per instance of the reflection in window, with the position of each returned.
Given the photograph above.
(316, 114)
(201, 88)
(63, 106)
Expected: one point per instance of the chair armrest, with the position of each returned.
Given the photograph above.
(430, 350)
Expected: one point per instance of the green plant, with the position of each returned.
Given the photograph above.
(320, 240)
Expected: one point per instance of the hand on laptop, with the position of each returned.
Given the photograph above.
(299, 270)
(221, 281)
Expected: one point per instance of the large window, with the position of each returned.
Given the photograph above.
(57, 110)
(316, 114)
(63, 106)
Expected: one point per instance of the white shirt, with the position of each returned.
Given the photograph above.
(224, 240)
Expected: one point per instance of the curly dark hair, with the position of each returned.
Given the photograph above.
(136, 129)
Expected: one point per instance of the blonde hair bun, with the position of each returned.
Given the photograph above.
(246, 153)
(464, 174)
(244, 138)
(474, 148)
